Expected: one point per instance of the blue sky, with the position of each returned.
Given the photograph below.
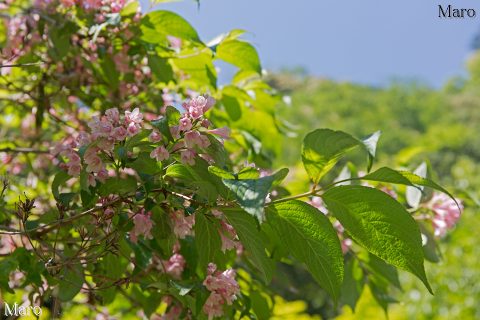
(365, 41)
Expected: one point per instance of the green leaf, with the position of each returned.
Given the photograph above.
(60, 178)
(370, 144)
(248, 233)
(118, 186)
(171, 117)
(161, 69)
(248, 173)
(60, 39)
(7, 265)
(414, 195)
(310, 238)
(168, 23)
(380, 224)
(232, 107)
(260, 305)
(323, 148)
(239, 53)
(220, 172)
(200, 70)
(71, 282)
(180, 171)
(145, 164)
(381, 269)
(207, 239)
(353, 284)
(251, 193)
(389, 175)
(110, 72)
(380, 294)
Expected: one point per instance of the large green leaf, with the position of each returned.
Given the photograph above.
(248, 233)
(388, 175)
(251, 193)
(118, 186)
(310, 238)
(380, 224)
(71, 282)
(167, 23)
(207, 239)
(353, 284)
(145, 164)
(323, 148)
(171, 117)
(239, 53)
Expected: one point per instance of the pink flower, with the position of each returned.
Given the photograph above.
(105, 128)
(185, 124)
(345, 242)
(94, 163)
(142, 226)
(175, 265)
(213, 307)
(188, 157)
(217, 213)
(155, 136)
(74, 169)
(106, 144)
(228, 236)
(68, 3)
(134, 116)
(196, 107)
(102, 175)
(117, 5)
(389, 191)
(205, 123)
(223, 132)
(132, 129)
(317, 202)
(182, 225)
(223, 288)
(119, 133)
(446, 213)
(92, 4)
(172, 314)
(112, 115)
(193, 138)
(160, 153)
(83, 138)
(175, 131)
(91, 180)
(175, 43)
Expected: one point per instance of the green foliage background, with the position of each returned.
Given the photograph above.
(417, 123)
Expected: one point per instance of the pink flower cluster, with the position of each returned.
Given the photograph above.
(190, 128)
(175, 265)
(223, 289)
(446, 213)
(105, 132)
(142, 226)
(194, 111)
(182, 225)
(227, 233)
(114, 5)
